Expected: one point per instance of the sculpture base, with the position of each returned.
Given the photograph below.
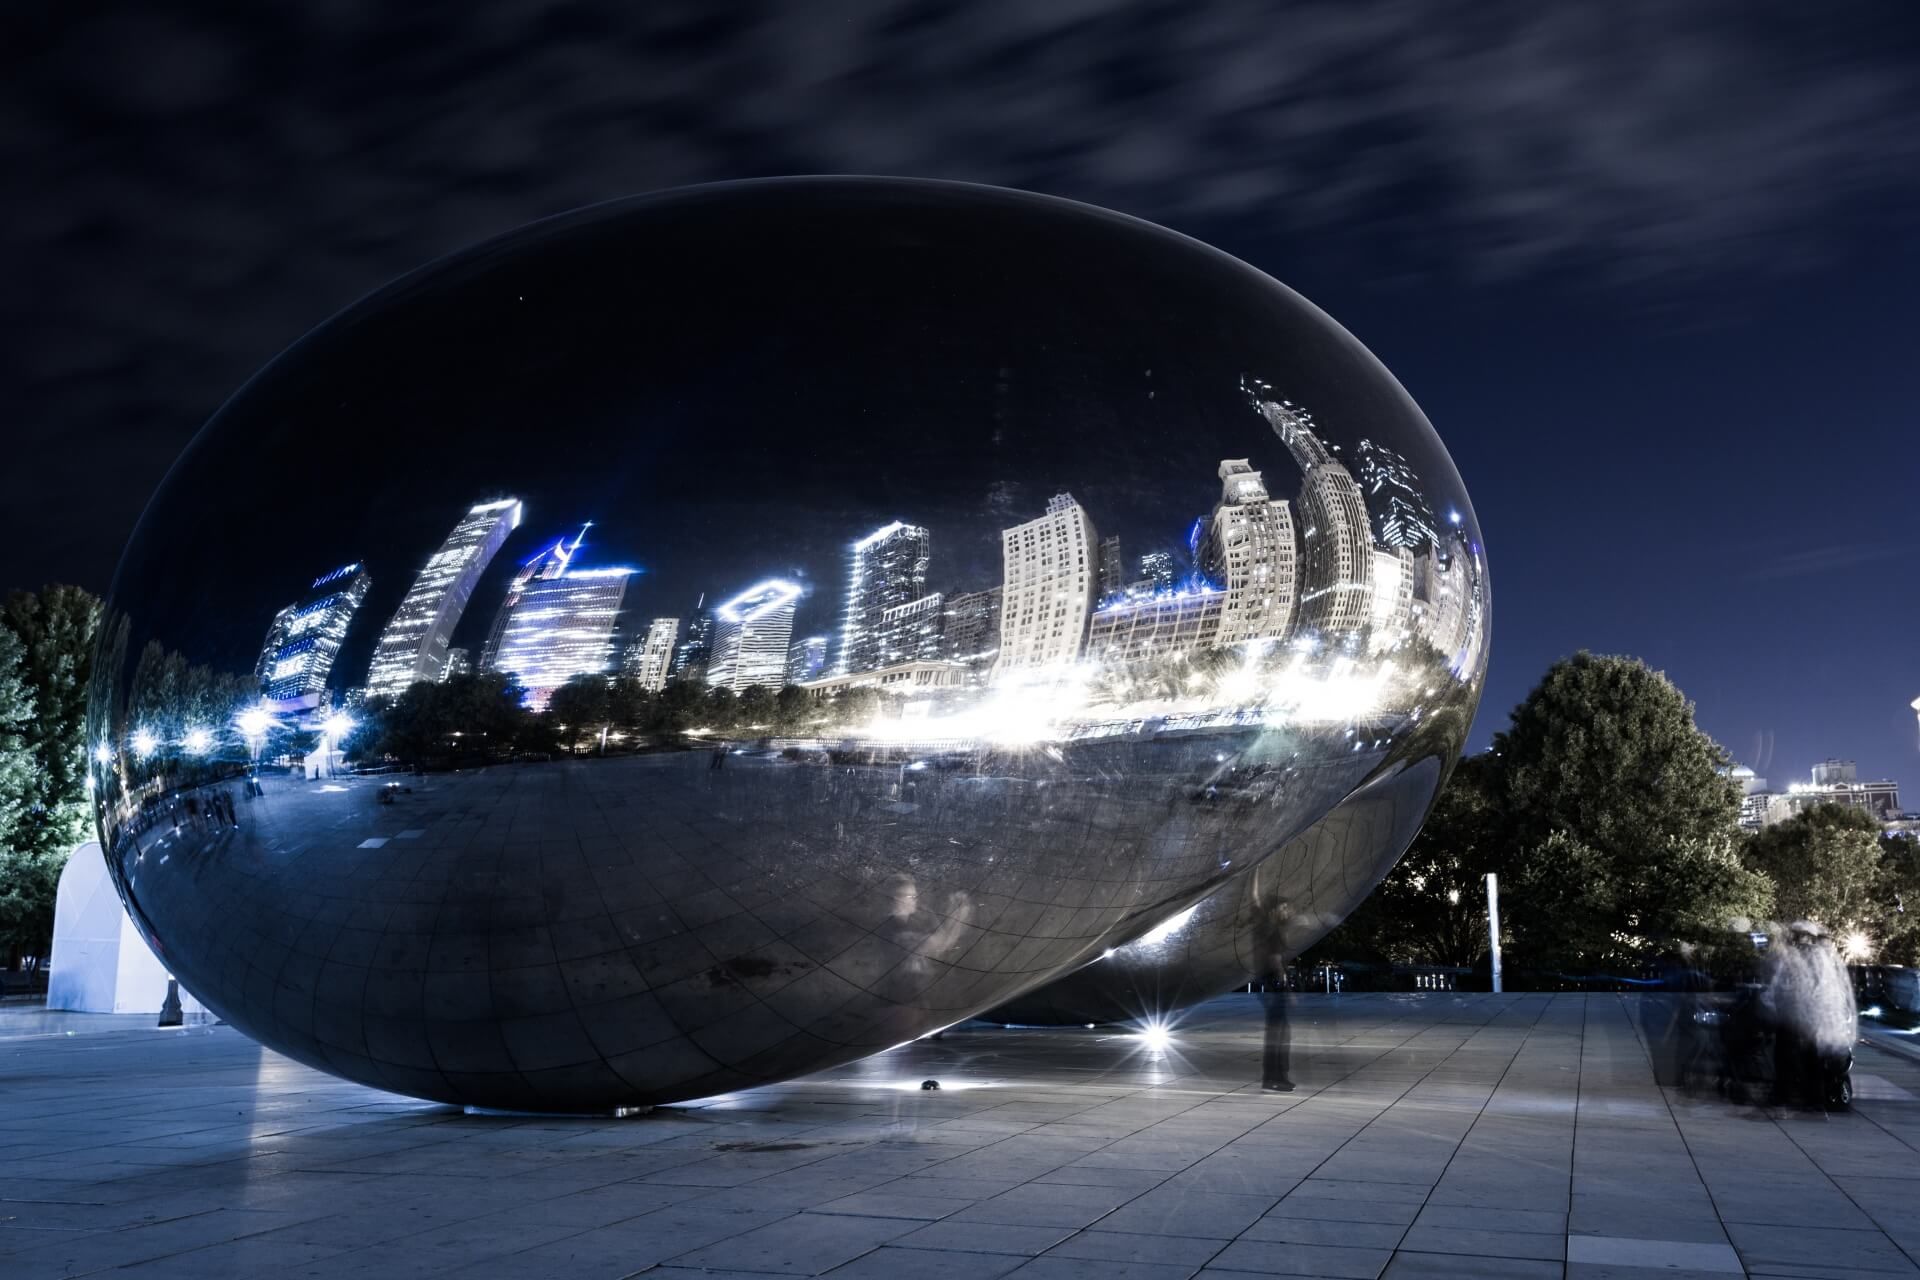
(610, 1113)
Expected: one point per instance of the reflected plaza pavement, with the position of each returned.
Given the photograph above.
(1432, 1135)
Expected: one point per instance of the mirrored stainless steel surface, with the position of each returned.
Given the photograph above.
(706, 638)
(1255, 924)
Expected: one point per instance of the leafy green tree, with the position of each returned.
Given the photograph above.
(793, 709)
(1619, 823)
(1432, 907)
(474, 716)
(756, 707)
(678, 708)
(1897, 940)
(719, 709)
(24, 870)
(578, 710)
(56, 629)
(629, 704)
(1826, 866)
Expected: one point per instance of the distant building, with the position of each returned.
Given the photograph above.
(1113, 571)
(1396, 501)
(691, 655)
(315, 629)
(752, 633)
(1837, 782)
(912, 630)
(415, 643)
(459, 662)
(807, 660)
(1336, 541)
(270, 647)
(562, 627)
(886, 569)
(1247, 549)
(651, 657)
(543, 565)
(971, 632)
(1754, 797)
(1156, 571)
(906, 679)
(1145, 628)
(1049, 584)
(1390, 618)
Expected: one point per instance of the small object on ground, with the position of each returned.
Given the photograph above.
(171, 1015)
(1278, 1086)
(930, 1084)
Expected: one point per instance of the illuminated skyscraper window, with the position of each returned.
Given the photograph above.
(562, 627)
(751, 636)
(315, 629)
(887, 568)
(415, 644)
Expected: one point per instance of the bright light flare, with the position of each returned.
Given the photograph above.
(1156, 1036)
(338, 725)
(103, 754)
(198, 741)
(1856, 947)
(145, 743)
(254, 722)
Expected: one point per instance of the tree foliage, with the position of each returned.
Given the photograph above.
(1603, 809)
(47, 667)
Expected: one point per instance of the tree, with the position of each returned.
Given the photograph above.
(56, 630)
(1826, 866)
(1618, 818)
(756, 707)
(1431, 908)
(23, 869)
(578, 709)
(793, 709)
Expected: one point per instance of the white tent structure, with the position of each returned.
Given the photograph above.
(100, 963)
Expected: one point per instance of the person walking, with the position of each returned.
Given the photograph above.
(1276, 1057)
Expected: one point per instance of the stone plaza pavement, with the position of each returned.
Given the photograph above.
(1432, 1135)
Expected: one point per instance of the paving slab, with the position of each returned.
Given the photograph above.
(1433, 1135)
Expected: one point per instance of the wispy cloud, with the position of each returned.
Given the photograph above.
(1817, 560)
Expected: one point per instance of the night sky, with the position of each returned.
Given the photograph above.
(1650, 274)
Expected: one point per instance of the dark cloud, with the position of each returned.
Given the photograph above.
(191, 188)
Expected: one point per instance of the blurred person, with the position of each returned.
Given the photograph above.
(1807, 999)
(1276, 1058)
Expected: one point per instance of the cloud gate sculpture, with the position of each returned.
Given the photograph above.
(707, 638)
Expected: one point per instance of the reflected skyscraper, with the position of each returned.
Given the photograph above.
(911, 631)
(650, 658)
(1396, 501)
(548, 562)
(1157, 571)
(751, 636)
(311, 641)
(415, 644)
(1113, 569)
(1147, 628)
(807, 660)
(1391, 614)
(1049, 586)
(1336, 542)
(561, 627)
(270, 647)
(886, 569)
(971, 632)
(1248, 550)
(691, 656)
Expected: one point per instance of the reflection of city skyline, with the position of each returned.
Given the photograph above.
(1353, 565)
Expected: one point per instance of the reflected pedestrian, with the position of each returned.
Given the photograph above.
(1276, 1058)
(719, 759)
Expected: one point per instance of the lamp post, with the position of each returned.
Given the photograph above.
(1493, 925)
